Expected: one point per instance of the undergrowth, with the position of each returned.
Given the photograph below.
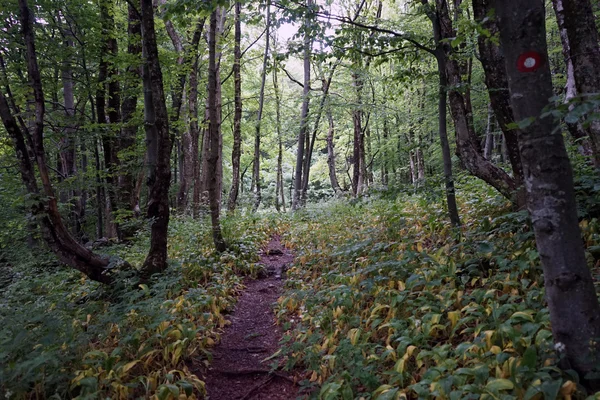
(387, 301)
(63, 336)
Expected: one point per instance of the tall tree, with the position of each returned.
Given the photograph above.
(126, 183)
(582, 135)
(214, 133)
(159, 146)
(441, 58)
(572, 301)
(297, 193)
(236, 152)
(583, 42)
(109, 109)
(261, 101)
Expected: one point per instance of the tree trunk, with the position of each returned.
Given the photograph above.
(279, 184)
(581, 135)
(584, 52)
(67, 141)
(127, 140)
(195, 134)
(107, 80)
(214, 131)
(297, 193)
(159, 146)
(572, 301)
(261, 100)
(311, 146)
(443, 132)
(331, 154)
(236, 152)
(489, 135)
(358, 146)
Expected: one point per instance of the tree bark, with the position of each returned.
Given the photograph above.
(584, 52)
(572, 301)
(331, 154)
(159, 146)
(214, 131)
(236, 152)
(261, 101)
(127, 140)
(187, 59)
(107, 82)
(443, 133)
(279, 184)
(297, 193)
(578, 132)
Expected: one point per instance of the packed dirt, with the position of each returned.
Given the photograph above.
(242, 365)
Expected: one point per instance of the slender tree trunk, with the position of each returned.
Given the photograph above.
(358, 146)
(279, 184)
(214, 132)
(384, 167)
(195, 134)
(127, 140)
(297, 193)
(489, 135)
(236, 152)
(443, 132)
(579, 22)
(581, 135)
(572, 301)
(159, 146)
(311, 145)
(107, 80)
(420, 165)
(261, 100)
(68, 140)
(331, 154)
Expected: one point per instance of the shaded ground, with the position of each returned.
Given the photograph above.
(239, 370)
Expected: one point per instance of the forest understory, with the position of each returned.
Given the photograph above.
(384, 299)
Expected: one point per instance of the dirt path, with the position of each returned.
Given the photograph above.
(238, 370)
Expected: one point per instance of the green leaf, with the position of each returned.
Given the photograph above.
(388, 394)
(496, 385)
(530, 357)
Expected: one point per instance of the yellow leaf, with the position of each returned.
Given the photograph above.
(567, 389)
(453, 316)
(488, 338)
(401, 286)
(129, 365)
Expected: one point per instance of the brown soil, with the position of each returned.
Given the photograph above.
(239, 369)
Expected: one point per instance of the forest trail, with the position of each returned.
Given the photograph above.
(239, 369)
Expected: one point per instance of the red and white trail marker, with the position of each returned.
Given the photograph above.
(529, 61)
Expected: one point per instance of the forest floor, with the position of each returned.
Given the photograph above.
(245, 364)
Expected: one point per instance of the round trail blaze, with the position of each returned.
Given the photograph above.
(529, 61)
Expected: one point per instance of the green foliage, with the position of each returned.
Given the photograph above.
(387, 301)
(67, 337)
